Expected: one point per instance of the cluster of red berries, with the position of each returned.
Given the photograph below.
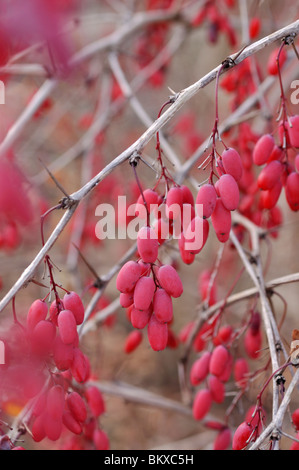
(218, 22)
(278, 171)
(220, 199)
(44, 363)
(147, 291)
(213, 370)
(152, 41)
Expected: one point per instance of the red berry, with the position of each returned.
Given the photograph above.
(187, 195)
(292, 191)
(37, 312)
(73, 302)
(162, 305)
(152, 200)
(202, 404)
(242, 436)
(101, 440)
(263, 149)
(55, 402)
(216, 388)
(186, 256)
(77, 406)
(223, 440)
(170, 281)
(207, 198)
(128, 277)
(147, 245)
(218, 361)
(200, 369)
(295, 418)
(38, 429)
(229, 192)
(143, 293)
(269, 175)
(241, 371)
(174, 203)
(70, 423)
(157, 334)
(43, 337)
(295, 445)
(80, 367)
(270, 197)
(133, 340)
(63, 354)
(53, 427)
(67, 327)
(222, 221)
(95, 401)
(140, 318)
(126, 300)
(253, 343)
(232, 163)
(54, 310)
(254, 27)
(272, 62)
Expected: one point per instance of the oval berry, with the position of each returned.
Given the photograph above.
(200, 368)
(202, 404)
(143, 293)
(263, 149)
(232, 163)
(95, 401)
(43, 337)
(151, 198)
(157, 334)
(55, 402)
(223, 440)
(222, 221)
(70, 423)
(174, 203)
(242, 436)
(80, 367)
(241, 373)
(292, 191)
(162, 306)
(270, 175)
(128, 277)
(206, 201)
(77, 406)
(140, 318)
(101, 440)
(73, 302)
(67, 327)
(63, 354)
(229, 192)
(218, 361)
(134, 339)
(37, 312)
(147, 245)
(216, 388)
(170, 281)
